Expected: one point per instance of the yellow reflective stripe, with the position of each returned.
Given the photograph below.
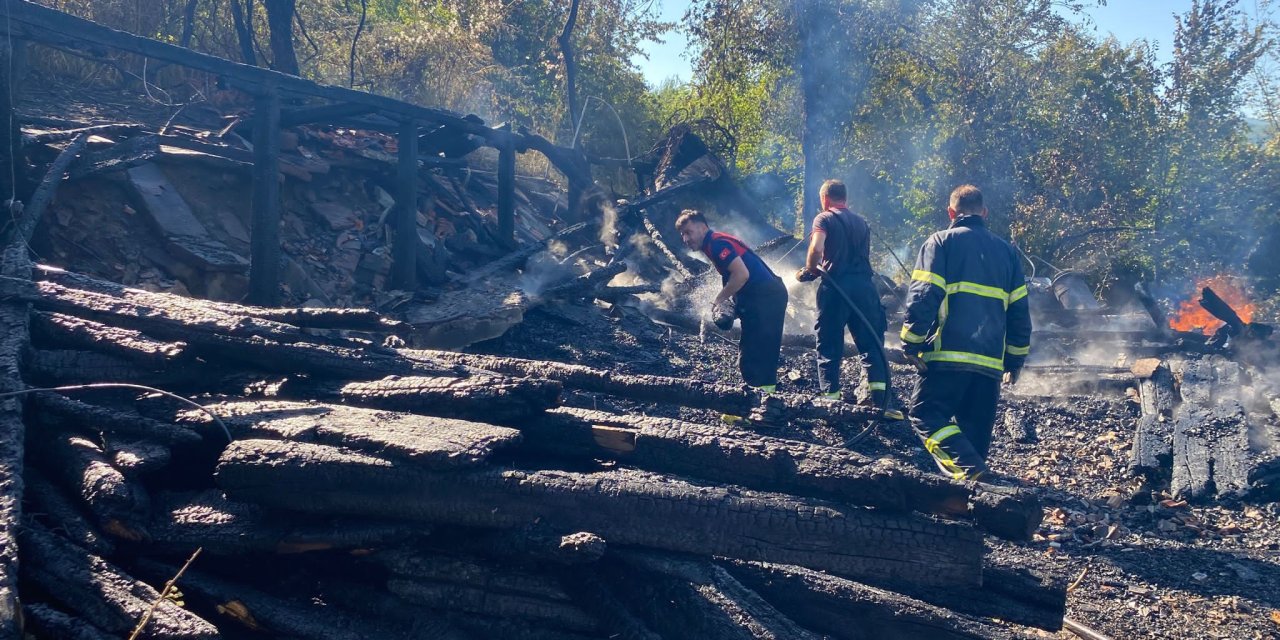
(964, 357)
(933, 444)
(912, 338)
(1018, 294)
(933, 441)
(1017, 351)
(978, 289)
(921, 275)
(877, 386)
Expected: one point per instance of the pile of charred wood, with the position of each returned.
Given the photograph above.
(339, 486)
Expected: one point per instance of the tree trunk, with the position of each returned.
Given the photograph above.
(188, 23)
(101, 593)
(280, 22)
(244, 31)
(570, 69)
(492, 399)
(721, 454)
(623, 506)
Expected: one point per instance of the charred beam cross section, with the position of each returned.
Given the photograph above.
(404, 254)
(264, 244)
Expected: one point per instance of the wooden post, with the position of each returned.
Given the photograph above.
(507, 189)
(264, 245)
(404, 250)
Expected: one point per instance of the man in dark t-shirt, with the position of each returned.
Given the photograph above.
(841, 249)
(758, 295)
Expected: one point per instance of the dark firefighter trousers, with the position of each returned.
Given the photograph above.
(834, 316)
(762, 310)
(953, 413)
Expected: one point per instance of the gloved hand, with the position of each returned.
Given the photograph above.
(912, 353)
(807, 275)
(1011, 376)
(723, 315)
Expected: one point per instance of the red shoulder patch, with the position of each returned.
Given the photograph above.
(725, 254)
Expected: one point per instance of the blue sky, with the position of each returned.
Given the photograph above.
(1128, 20)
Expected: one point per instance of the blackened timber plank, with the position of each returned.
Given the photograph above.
(849, 610)
(724, 454)
(735, 400)
(47, 622)
(495, 399)
(494, 604)
(50, 505)
(305, 317)
(624, 506)
(470, 571)
(428, 441)
(404, 267)
(14, 341)
(50, 329)
(183, 521)
(58, 410)
(102, 593)
(1211, 455)
(78, 465)
(1152, 444)
(702, 599)
(267, 613)
(58, 367)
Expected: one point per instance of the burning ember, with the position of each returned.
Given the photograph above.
(1191, 316)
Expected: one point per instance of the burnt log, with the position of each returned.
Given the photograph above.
(316, 360)
(690, 271)
(1210, 432)
(268, 613)
(58, 367)
(493, 604)
(723, 454)
(1010, 592)
(117, 504)
(49, 505)
(735, 400)
(14, 342)
(101, 593)
(25, 224)
(135, 459)
(61, 411)
(184, 521)
(51, 330)
(360, 599)
(45, 137)
(118, 156)
(304, 317)
(1152, 451)
(848, 610)
(470, 572)
(490, 398)
(694, 598)
(427, 441)
(45, 621)
(623, 506)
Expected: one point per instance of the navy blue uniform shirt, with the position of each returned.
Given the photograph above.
(722, 248)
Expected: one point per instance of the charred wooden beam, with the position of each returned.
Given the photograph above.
(207, 519)
(490, 398)
(118, 156)
(1152, 450)
(50, 506)
(734, 400)
(624, 506)
(507, 190)
(47, 622)
(62, 367)
(320, 361)
(118, 505)
(404, 267)
(43, 196)
(428, 442)
(684, 266)
(60, 411)
(135, 459)
(48, 329)
(101, 593)
(685, 596)
(733, 456)
(1210, 432)
(1010, 591)
(303, 317)
(45, 137)
(849, 610)
(267, 613)
(470, 572)
(308, 115)
(533, 543)
(264, 240)
(493, 603)
(14, 341)
(589, 588)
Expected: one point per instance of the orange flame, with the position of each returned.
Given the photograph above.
(1191, 316)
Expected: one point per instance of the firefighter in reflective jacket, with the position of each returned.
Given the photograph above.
(967, 326)
(750, 290)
